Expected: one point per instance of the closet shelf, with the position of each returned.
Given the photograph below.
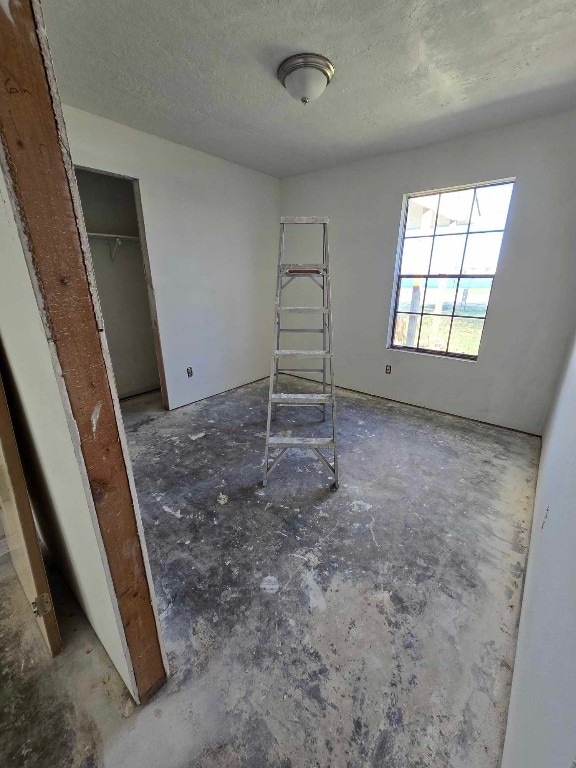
(109, 236)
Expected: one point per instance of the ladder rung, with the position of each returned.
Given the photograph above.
(303, 220)
(301, 370)
(301, 272)
(299, 267)
(302, 353)
(301, 399)
(286, 442)
(304, 272)
(308, 310)
(301, 330)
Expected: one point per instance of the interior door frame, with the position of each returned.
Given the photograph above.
(147, 271)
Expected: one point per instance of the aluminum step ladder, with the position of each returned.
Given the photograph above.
(319, 274)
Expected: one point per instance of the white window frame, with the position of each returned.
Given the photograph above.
(397, 274)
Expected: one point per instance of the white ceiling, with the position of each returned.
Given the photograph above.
(408, 72)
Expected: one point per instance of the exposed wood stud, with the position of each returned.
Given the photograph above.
(37, 165)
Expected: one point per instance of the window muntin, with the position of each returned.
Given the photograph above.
(450, 249)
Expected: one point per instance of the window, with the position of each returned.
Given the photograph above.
(450, 247)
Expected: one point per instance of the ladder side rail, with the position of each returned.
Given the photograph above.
(331, 359)
(325, 303)
(275, 360)
(278, 305)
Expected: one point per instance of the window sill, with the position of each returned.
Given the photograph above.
(426, 353)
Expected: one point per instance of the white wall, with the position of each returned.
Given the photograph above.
(211, 229)
(532, 313)
(541, 719)
(72, 518)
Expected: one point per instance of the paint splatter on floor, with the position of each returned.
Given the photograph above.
(374, 625)
(306, 628)
(269, 584)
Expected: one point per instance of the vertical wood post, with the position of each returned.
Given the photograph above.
(36, 162)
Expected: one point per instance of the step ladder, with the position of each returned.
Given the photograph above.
(319, 274)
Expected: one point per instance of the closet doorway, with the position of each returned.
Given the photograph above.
(112, 213)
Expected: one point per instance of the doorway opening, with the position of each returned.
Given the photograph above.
(115, 228)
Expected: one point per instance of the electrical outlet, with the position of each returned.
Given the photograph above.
(190, 372)
(388, 369)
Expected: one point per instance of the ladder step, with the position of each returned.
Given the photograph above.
(301, 330)
(302, 353)
(304, 265)
(307, 310)
(302, 269)
(301, 399)
(301, 370)
(279, 441)
(303, 220)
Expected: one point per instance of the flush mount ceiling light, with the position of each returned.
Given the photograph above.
(305, 75)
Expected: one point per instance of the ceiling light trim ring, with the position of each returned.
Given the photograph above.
(299, 60)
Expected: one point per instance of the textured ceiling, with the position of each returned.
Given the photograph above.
(408, 72)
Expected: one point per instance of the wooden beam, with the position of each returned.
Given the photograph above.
(36, 162)
(18, 519)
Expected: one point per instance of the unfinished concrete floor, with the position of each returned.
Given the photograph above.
(372, 626)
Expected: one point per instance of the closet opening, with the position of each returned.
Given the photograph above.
(115, 228)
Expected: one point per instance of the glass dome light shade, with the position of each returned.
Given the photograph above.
(306, 84)
(305, 75)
